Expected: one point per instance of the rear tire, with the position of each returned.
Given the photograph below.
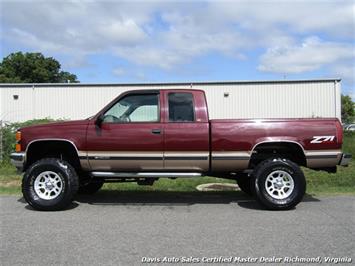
(279, 184)
(50, 184)
(245, 183)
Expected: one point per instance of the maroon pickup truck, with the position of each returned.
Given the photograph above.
(145, 135)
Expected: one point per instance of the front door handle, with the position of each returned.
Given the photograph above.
(156, 131)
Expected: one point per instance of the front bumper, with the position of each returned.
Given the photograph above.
(18, 159)
(345, 159)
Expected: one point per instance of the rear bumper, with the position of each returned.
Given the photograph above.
(345, 159)
(18, 160)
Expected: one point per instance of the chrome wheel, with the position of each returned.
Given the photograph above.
(279, 184)
(48, 185)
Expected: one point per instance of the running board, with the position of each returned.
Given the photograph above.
(143, 175)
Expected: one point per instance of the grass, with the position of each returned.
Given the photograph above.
(342, 182)
(318, 182)
(10, 181)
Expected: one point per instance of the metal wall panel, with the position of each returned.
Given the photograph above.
(303, 99)
(289, 100)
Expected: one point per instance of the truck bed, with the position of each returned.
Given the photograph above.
(233, 141)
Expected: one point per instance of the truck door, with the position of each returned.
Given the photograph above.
(130, 137)
(186, 131)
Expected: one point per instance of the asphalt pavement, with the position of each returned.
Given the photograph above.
(176, 228)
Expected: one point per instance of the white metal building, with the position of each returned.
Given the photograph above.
(239, 99)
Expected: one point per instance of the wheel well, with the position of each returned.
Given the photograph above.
(291, 151)
(52, 149)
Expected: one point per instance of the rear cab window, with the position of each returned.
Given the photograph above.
(181, 107)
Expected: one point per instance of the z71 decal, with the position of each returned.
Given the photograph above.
(321, 139)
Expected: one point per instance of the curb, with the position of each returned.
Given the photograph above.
(218, 187)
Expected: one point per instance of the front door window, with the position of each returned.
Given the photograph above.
(134, 108)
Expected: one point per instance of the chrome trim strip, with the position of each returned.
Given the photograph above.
(143, 174)
(189, 153)
(231, 153)
(143, 158)
(131, 154)
(150, 153)
(188, 157)
(123, 158)
(230, 157)
(310, 153)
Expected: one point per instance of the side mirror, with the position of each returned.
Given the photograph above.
(99, 120)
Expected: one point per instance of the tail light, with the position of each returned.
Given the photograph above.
(339, 132)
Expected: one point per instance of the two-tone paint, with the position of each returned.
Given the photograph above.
(200, 146)
(236, 140)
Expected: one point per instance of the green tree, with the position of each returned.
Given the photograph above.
(347, 109)
(33, 68)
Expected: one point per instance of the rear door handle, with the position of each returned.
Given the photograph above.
(156, 131)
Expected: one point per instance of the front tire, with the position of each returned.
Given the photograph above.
(50, 184)
(279, 184)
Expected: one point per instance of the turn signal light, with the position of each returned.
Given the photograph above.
(18, 136)
(18, 147)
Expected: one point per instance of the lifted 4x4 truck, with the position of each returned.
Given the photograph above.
(145, 135)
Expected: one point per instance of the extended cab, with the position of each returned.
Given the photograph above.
(142, 136)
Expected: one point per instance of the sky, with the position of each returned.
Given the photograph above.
(172, 41)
